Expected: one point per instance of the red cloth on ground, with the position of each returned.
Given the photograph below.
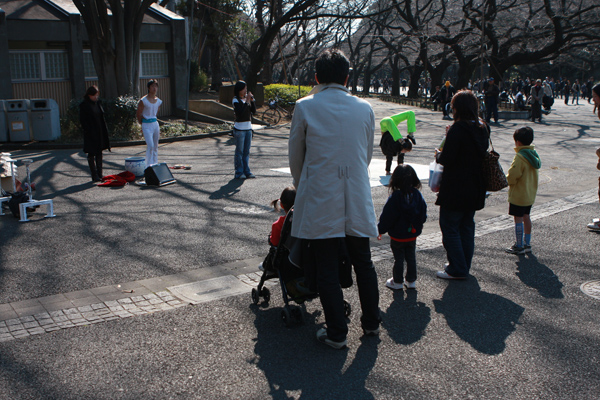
(112, 180)
(276, 231)
(128, 176)
(120, 179)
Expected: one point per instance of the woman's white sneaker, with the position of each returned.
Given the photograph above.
(393, 285)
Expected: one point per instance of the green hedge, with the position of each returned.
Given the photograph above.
(285, 93)
(120, 115)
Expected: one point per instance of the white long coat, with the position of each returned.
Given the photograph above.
(330, 148)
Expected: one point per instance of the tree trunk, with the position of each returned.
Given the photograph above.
(215, 64)
(395, 76)
(413, 86)
(115, 42)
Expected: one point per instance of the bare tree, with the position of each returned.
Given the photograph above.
(115, 41)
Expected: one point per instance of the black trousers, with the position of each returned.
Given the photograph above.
(324, 254)
(95, 164)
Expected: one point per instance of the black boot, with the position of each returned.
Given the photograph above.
(93, 170)
(99, 165)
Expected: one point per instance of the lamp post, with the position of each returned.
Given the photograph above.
(482, 45)
(189, 64)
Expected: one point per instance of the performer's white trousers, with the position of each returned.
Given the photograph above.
(151, 132)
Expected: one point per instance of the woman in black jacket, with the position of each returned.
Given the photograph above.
(462, 189)
(95, 132)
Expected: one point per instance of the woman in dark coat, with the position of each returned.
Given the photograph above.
(462, 189)
(95, 132)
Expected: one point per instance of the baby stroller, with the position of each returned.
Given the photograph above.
(291, 277)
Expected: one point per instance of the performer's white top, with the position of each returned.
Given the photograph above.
(150, 109)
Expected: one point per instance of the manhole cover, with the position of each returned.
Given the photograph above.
(592, 289)
(248, 210)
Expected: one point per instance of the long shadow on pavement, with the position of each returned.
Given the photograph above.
(415, 317)
(484, 320)
(539, 277)
(297, 366)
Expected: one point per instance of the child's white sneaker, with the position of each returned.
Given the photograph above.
(595, 226)
(410, 285)
(393, 285)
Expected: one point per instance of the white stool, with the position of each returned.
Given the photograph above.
(2, 200)
(33, 203)
(14, 184)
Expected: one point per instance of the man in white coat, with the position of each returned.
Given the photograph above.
(330, 148)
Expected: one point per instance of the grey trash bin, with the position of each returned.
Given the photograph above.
(17, 116)
(3, 128)
(45, 119)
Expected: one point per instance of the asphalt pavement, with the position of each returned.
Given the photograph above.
(93, 302)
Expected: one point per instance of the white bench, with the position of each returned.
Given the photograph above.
(33, 203)
(2, 200)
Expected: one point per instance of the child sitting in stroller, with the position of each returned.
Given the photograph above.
(286, 200)
(277, 264)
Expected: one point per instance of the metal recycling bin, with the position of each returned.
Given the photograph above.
(3, 128)
(45, 119)
(17, 116)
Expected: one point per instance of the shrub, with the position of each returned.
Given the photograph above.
(198, 78)
(120, 116)
(285, 93)
(176, 129)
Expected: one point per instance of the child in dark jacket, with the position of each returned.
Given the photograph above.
(402, 218)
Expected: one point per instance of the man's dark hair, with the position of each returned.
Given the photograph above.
(524, 135)
(332, 66)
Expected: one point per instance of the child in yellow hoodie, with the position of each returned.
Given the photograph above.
(522, 180)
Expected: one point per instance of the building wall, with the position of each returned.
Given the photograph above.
(61, 92)
(46, 28)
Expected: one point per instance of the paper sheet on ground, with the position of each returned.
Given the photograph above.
(377, 172)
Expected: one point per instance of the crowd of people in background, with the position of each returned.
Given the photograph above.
(560, 88)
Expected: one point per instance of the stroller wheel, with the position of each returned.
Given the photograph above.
(286, 316)
(297, 314)
(266, 294)
(347, 309)
(255, 297)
